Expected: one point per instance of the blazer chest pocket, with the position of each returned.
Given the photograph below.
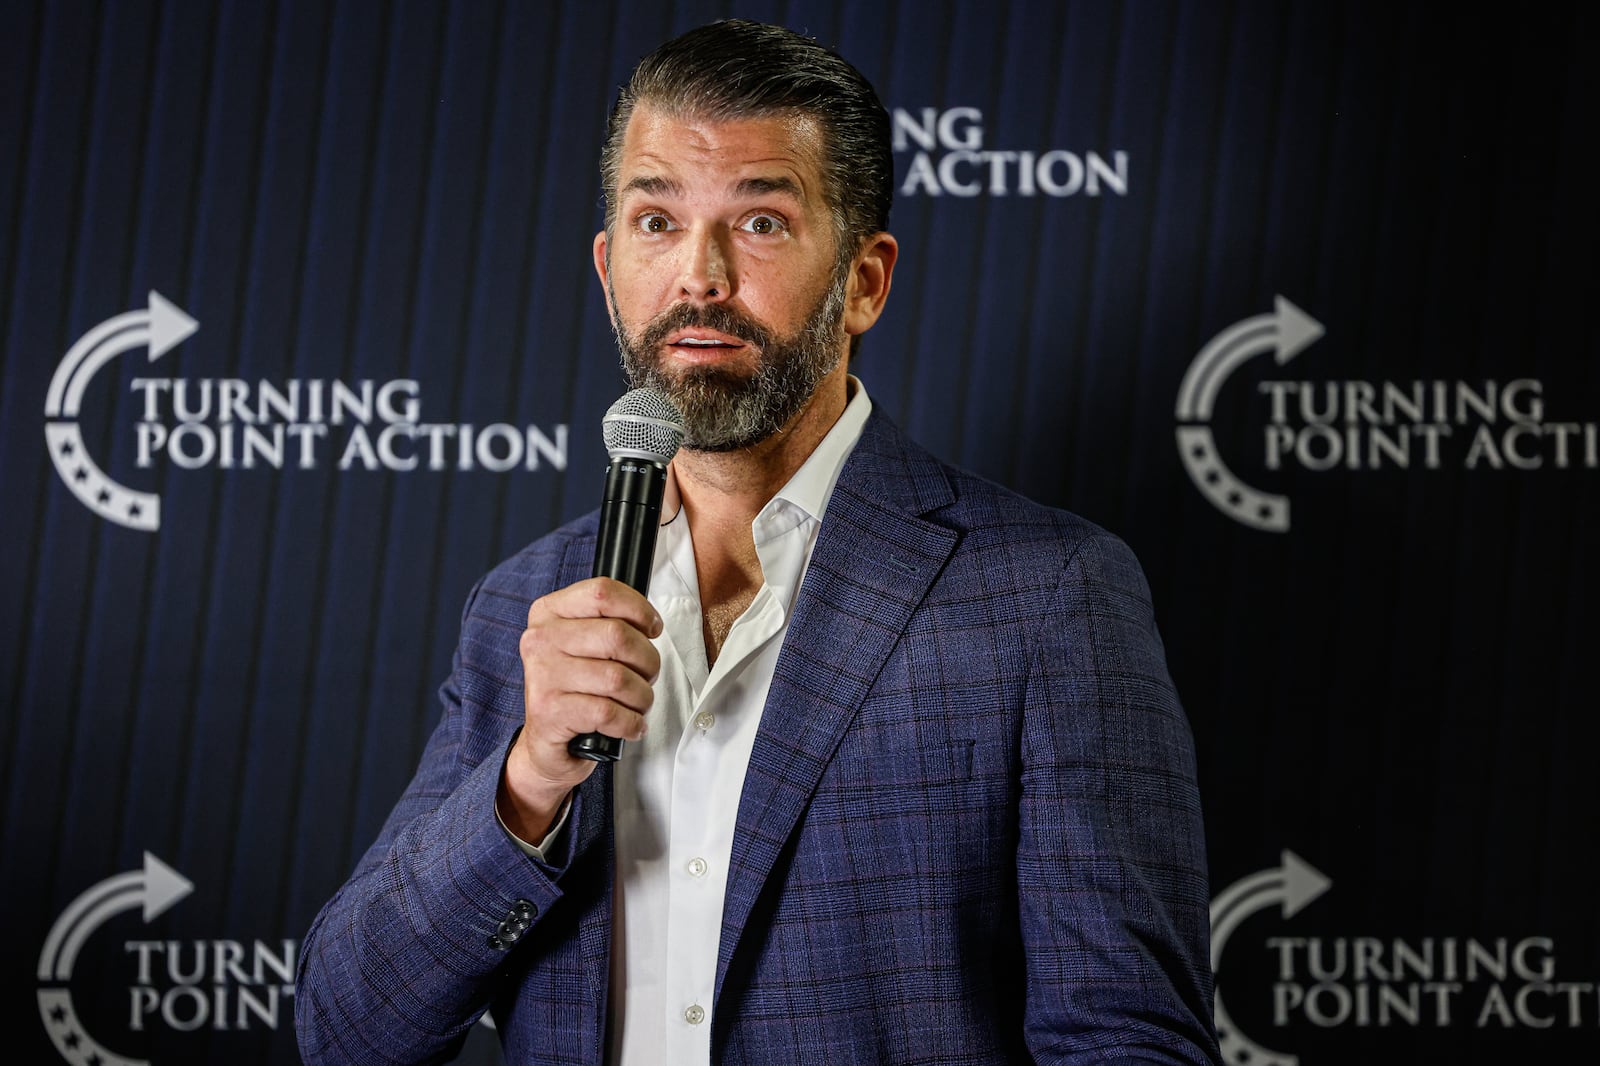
(946, 762)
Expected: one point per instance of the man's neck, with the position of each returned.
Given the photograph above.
(722, 492)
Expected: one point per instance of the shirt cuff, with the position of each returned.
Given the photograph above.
(537, 851)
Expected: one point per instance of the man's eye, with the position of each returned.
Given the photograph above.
(763, 225)
(655, 224)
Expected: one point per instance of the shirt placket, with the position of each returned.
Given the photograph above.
(701, 841)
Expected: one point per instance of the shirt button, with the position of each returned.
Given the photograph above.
(697, 867)
(695, 1014)
(705, 720)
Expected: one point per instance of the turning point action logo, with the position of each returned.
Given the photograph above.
(159, 328)
(230, 423)
(1362, 982)
(1362, 426)
(220, 985)
(1284, 333)
(1289, 888)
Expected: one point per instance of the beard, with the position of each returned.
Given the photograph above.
(725, 410)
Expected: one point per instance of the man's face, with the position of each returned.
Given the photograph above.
(721, 271)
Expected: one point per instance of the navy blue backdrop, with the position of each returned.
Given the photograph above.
(1291, 296)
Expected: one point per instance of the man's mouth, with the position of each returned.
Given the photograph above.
(703, 341)
(700, 346)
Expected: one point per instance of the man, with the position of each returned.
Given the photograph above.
(915, 785)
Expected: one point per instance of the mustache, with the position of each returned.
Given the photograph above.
(719, 317)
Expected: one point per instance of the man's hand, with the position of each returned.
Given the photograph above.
(587, 665)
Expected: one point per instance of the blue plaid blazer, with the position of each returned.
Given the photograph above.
(970, 830)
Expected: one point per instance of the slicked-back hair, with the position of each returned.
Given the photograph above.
(738, 69)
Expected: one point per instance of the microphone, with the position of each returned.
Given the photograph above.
(642, 433)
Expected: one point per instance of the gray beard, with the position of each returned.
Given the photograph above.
(722, 410)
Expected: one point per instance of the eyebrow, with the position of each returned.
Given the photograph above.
(652, 185)
(768, 187)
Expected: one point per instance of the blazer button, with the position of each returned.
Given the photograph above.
(496, 943)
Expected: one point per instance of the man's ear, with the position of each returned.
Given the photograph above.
(871, 273)
(600, 268)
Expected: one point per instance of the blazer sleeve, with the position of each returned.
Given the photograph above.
(1111, 856)
(402, 961)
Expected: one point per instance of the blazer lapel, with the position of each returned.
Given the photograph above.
(874, 560)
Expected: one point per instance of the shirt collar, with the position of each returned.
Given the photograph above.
(812, 485)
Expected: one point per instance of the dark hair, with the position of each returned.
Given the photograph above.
(741, 69)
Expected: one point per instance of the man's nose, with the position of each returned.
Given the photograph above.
(706, 275)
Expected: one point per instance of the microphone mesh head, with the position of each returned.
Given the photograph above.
(644, 423)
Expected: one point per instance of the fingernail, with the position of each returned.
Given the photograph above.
(657, 626)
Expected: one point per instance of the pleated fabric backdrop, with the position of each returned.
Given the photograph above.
(1342, 252)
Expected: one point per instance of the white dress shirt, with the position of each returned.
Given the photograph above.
(677, 790)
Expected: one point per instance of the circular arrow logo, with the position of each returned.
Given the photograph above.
(1289, 887)
(159, 328)
(1285, 332)
(152, 890)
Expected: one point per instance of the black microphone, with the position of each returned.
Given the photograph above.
(642, 432)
